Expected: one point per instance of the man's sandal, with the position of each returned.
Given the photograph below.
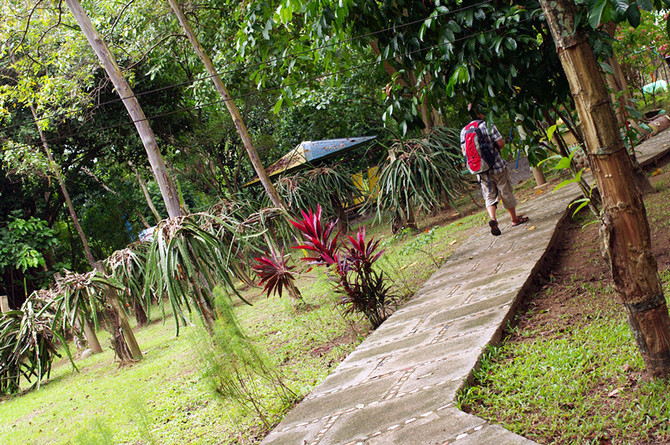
(520, 220)
(495, 230)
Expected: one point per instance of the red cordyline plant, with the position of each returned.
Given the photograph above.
(276, 274)
(317, 238)
(362, 288)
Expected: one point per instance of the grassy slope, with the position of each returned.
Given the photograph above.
(576, 376)
(164, 398)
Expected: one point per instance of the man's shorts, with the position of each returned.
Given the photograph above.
(495, 186)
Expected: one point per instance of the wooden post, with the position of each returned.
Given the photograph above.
(4, 303)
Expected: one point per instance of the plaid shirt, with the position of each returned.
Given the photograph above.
(494, 136)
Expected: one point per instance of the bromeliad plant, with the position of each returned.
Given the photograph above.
(420, 174)
(362, 288)
(333, 187)
(275, 274)
(189, 256)
(28, 343)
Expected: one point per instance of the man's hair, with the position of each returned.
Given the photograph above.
(475, 109)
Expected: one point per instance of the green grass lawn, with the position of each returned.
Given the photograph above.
(165, 398)
(569, 371)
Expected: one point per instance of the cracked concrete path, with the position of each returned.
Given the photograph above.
(400, 385)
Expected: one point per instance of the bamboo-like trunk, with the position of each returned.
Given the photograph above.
(167, 188)
(625, 229)
(232, 108)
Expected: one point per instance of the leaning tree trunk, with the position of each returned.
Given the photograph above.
(123, 339)
(89, 332)
(625, 229)
(167, 188)
(232, 108)
(140, 314)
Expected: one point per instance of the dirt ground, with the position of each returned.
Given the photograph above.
(577, 261)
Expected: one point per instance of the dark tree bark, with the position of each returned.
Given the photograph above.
(625, 229)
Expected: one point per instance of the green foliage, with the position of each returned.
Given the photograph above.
(28, 343)
(235, 369)
(421, 173)
(23, 242)
(640, 49)
(24, 161)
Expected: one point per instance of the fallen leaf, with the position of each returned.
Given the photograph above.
(540, 191)
(613, 393)
(531, 228)
(452, 243)
(656, 172)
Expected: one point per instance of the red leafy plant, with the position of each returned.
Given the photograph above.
(275, 273)
(362, 288)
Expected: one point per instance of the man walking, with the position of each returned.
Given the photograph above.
(494, 182)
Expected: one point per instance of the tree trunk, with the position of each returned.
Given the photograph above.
(123, 339)
(625, 229)
(126, 94)
(55, 169)
(140, 314)
(89, 332)
(145, 191)
(232, 108)
(91, 337)
(119, 344)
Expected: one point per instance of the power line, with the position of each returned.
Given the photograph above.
(267, 62)
(257, 92)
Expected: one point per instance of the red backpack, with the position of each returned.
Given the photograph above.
(480, 152)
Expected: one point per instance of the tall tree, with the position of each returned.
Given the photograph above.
(230, 104)
(167, 188)
(625, 227)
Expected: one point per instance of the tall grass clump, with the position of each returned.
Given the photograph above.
(237, 372)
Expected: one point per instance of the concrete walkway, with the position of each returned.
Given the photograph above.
(400, 385)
